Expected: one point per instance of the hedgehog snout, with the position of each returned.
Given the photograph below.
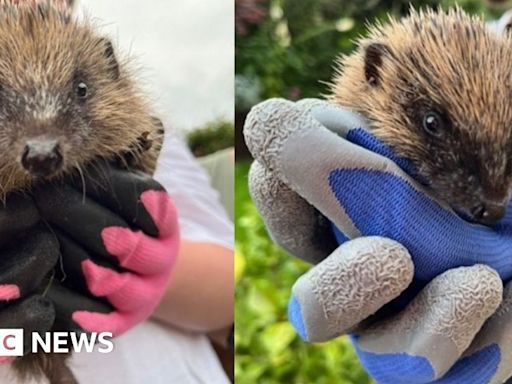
(488, 213)
(42, 157)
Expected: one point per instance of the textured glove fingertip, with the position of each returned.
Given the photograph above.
(433, 331)
(291, 221)
(354, 282)
(260, 119)
(268, 127)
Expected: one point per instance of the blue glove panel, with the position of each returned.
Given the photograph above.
(401, 368)
(366, 140)
(395, 368)
(437, 239)
(295, 317)
(478, 368)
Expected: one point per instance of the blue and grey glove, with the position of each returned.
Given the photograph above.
(419, 288)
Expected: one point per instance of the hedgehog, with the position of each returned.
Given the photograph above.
(436, 87)
(66, 101)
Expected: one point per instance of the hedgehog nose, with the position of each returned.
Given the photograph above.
(42, 157)
(488, 213)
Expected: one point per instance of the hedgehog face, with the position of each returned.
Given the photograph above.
(64, 98)
(471, 172)
(437, 87)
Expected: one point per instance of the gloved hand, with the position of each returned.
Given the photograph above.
(312, 163)
(119, 239)
(29, 252)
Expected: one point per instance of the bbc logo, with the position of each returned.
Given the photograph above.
(11, 342)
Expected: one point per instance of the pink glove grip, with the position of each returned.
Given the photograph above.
(9, 292)
(134, 294)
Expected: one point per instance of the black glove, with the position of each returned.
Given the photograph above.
(118, 235)
(29, 251)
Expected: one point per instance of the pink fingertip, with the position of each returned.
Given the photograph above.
(102, 322)
(139, 252)
(162, 210)
(91, 322)
(93, 271)
(9, 292)
(101, 281)
(7, 359)
(122, 243)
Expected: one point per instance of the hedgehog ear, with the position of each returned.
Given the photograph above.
(373, 59)
(108, 51)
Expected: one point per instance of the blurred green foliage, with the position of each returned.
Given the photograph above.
(267, 348)
(212, 137)
(290, 53)
(287, 50)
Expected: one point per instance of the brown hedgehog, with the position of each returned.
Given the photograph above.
(65, 98)
(437, 87)
(65, 101)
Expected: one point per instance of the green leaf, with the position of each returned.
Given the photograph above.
(277, 337)
(239, 265)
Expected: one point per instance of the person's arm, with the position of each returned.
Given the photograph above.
(200, 294)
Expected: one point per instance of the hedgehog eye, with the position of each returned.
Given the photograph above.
(433, 124)
(81, 90)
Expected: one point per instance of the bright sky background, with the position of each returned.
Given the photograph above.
(186, 49)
